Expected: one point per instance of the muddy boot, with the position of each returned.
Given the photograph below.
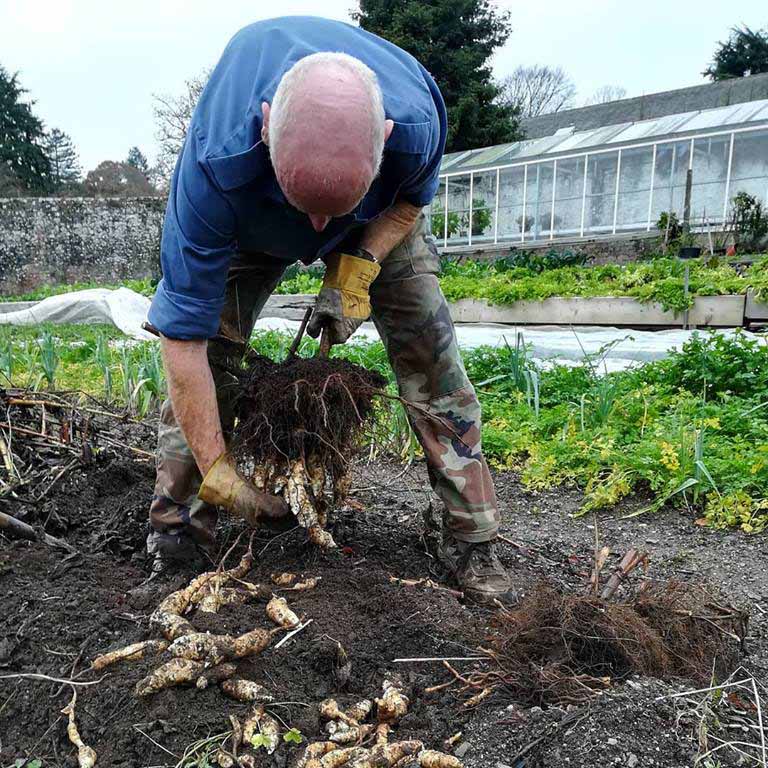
(174, 550)
(476, 569)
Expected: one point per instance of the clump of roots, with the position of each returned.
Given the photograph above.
(563, 648)
(298, 423)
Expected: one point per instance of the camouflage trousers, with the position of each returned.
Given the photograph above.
(412, 318)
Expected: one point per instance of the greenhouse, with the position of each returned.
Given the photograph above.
(606, 181)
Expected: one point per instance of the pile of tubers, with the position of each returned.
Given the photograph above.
(353, 743)
(201, 658)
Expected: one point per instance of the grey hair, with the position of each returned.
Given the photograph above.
(281, 112)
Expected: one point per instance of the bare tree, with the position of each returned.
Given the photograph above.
(605, 94)
(538, 90)
(172, 116)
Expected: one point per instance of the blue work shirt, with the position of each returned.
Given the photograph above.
(224, 196)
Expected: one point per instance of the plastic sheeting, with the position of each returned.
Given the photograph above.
(613, 348)
(616, 348)
(122, 307)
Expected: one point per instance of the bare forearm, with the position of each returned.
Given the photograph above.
(193, 395)
(382, 235)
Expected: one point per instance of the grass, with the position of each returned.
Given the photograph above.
(690, 430)
(145, 286)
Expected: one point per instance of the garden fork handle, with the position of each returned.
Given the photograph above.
(325, 345)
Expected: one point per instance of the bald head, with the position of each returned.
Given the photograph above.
(326, 131)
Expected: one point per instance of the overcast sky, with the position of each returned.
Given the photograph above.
(93, 65)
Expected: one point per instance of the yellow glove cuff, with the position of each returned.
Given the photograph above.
(352, 277)
(222, 484)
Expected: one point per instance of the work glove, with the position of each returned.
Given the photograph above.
(343, 303)
(224, 487)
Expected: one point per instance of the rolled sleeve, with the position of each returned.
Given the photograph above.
(195, 252)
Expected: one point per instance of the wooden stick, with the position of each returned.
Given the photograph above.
(297, 340)
(325, 344)
(628, 563)
(16, 529)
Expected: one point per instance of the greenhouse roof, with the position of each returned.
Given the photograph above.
(567, 141)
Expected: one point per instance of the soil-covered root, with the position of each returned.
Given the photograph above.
(358, 711)
(313, 752)
(202, 646)
(339, 757)
(172, 673)
(224, 759)
(329, 710)
(247, 690)
(306, 584)
(86, 756)
(562, 648)
(182, 600)
(170, 625)
(343, 733)
(260, 723)
(393, 704)
(298, 422)
(430, 758)
(132, 652)
(293, 582)
(215, 601)
(281, 614)
(321, 538)
(216, 674)
(284, 579)
(253, 642)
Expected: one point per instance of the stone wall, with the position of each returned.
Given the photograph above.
(46, 241)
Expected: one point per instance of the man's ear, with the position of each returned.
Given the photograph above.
(265, 122)
(388, 126)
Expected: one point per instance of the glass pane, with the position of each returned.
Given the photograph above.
(750, 165)
(634, 188)
(483, 207)
(437, 212)
(601, 192)
(538, 208)
(569, 195)
(511, 181)
(458, 210)
(669, 179)
(710, 170)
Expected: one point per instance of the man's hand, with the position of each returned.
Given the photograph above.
(224, 487)
(344, 303)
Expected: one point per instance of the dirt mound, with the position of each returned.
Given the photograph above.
(557, 647)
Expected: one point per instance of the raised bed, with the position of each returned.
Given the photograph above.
(707, 311)
(755, 311)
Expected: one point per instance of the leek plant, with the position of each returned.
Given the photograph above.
(6, 359)
(150, 386)
(50, 359)
(103, 359)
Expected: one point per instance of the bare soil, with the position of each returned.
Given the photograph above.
(60, 609)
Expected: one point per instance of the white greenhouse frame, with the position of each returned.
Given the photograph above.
(553, 159)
